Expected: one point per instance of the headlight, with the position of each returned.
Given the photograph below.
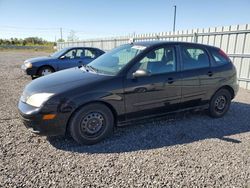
(38, 99)
(28, 65)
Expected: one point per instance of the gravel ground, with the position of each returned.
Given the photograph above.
(182, 150)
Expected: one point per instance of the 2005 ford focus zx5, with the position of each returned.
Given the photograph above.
(133, 81)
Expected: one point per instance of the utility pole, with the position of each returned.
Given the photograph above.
(174, 18)
(61, 34)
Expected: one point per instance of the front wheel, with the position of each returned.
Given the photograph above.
(91, 124)
(43, 71)
(220, 103)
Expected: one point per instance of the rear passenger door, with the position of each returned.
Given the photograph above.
(196, 74)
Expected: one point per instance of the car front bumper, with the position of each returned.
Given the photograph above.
(28, 71)
(32, 118)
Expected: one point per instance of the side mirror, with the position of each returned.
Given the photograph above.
(62, 57)
(140, 73)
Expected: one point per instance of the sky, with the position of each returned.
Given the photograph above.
(105, 18)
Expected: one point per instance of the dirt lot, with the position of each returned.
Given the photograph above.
(182, 150)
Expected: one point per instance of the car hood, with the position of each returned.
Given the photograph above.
(38, 59)
(63, 81)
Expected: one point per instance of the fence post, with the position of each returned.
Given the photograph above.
(195, 37)
(102, 44)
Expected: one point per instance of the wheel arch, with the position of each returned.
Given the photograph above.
(50, 66)
(227, 87)
(114, 112)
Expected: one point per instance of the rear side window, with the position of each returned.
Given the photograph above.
(219, 57)
(89, 53)
(194, 58)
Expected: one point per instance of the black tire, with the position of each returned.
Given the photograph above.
(220, 103)
(91, 124)
(45, 70)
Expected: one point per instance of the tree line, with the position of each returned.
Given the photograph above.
(30, 41)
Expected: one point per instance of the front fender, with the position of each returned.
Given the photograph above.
(46, 63)
(114, 100)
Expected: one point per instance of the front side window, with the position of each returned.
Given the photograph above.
(71, 54)
(159, 61)
(194, 58)
(78, 54)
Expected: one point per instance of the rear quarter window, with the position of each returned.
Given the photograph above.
(219, 57)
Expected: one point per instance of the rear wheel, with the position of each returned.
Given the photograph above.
(46, 70)
(220, 103)
(91, 124)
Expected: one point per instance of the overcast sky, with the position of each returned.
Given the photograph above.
(100, 18)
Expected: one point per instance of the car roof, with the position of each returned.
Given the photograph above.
(71, 47)
(159, 42)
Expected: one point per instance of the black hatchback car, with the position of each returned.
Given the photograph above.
(133, 81)
(63, 59)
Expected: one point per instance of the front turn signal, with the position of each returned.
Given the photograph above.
(49, 116)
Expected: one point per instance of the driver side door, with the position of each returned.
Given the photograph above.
(70, 59)
(157, 92)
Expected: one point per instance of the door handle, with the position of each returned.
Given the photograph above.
(210, 73)
(170, 80)
(79, 61)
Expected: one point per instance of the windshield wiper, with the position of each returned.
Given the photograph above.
(89, 67)
(82, 67)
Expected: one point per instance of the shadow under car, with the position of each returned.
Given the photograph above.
(174, 129)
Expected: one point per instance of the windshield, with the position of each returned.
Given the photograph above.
(112, 62)
(58, 53)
